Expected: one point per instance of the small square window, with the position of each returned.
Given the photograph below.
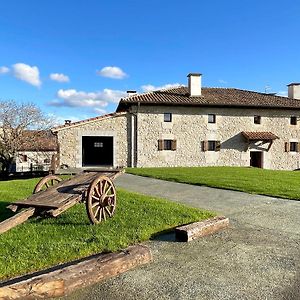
(211, 146)
(167, 117)
(98, 145)
(257, 119)
(167, 144)
(24, 158)
(47, 161)
(293, 147)
(293, 120)
(211, 118)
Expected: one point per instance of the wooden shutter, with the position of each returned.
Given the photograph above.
(160, 145)
(287, 147)
(204, 145)
(218, 145)
(173, 145)
(297, 147)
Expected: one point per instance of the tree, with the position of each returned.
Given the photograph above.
(16, 119)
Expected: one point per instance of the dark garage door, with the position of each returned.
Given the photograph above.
(97, 151)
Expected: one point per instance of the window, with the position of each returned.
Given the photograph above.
(293, 120)
(167, 117)
(47, 161)
(257, 119)
(211, 118)
(24, 158)
(98, 145)
(167, 145)
(211, 145)
(293, 147)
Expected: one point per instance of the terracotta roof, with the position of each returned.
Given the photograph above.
(210, 97)
(34, 140)
(57, 128)
(259, 136)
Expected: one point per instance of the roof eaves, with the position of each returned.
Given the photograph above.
(87, 121)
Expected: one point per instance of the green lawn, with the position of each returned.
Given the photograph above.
(284, 184)
(41, 243)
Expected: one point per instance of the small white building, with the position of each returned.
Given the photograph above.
(189, 126)
(35, 153)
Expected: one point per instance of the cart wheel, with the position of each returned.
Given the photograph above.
(46, 182)
(101, 199)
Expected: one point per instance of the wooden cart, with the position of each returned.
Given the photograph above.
(52, 196)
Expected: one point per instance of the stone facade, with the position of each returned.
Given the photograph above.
(189, 127)
(70, 140)
(136, 134)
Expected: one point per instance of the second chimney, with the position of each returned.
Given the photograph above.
(194, 84)
(294, 90)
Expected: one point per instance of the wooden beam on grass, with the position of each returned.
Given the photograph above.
(79, 274)
(17, 219)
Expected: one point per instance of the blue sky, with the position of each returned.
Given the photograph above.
(241, 44)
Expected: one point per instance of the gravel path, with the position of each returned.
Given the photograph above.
(258, 257)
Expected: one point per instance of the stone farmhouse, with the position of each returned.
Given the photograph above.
(35, 152)
(189, 126)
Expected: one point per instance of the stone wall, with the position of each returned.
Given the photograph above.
(190, 126)
(70, 139)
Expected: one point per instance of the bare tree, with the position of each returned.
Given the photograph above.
(16, 119)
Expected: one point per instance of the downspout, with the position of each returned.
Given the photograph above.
(136, 135)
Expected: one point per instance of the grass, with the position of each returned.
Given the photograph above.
(283, 184)
(41, 243)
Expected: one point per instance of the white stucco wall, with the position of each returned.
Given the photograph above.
(35, 161)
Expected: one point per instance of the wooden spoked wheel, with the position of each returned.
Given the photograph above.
(101, 199)
(46, 182)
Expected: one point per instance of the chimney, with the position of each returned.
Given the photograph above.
(194, 84)
(67, 122)
(130, 93)
(294, 90)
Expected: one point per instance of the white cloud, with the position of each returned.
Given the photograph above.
(150, 87)
(223, 81)
(27, 73)
(282, 93)
(112, 72)
(100, 111)
(59, 77)
(4, 70)
(74, 98)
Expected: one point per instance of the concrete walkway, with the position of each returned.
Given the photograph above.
(258, 257)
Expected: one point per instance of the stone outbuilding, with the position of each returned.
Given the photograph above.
(189, 126)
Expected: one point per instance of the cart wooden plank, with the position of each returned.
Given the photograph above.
(63, 195)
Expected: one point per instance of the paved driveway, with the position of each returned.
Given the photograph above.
(258, 257)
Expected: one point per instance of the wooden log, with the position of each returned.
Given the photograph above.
(17, 219)
(79, 274)
(36, 289)
(195, 230)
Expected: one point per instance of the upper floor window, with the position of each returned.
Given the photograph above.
(211, 118)
(167, 117)
(293, 120)
(257, 119)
